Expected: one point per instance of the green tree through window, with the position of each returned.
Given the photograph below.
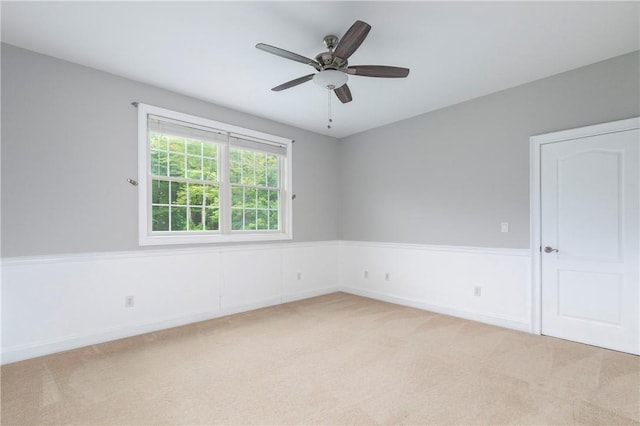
(184, 186)
(254, 189)
(204, 181)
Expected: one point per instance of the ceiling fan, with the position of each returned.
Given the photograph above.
(332, 66)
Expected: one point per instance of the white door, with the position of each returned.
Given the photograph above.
(589, 195)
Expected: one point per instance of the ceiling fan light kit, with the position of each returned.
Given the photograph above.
(332, 66)
(330, 79)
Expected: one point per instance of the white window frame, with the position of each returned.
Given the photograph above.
(148, 237)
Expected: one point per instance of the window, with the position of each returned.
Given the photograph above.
(201, 181)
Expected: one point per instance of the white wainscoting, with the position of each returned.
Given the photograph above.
(443, 279)
(56, 303)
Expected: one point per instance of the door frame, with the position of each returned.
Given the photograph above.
(535, 145)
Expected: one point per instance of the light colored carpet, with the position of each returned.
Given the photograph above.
(336, 359)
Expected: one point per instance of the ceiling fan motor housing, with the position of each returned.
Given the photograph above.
(329, 61)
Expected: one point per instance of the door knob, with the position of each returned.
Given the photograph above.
(548, 249)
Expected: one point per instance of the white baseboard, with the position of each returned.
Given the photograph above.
(265, 303)
(36, 349)
(489, 285)
(500, 321)
(309, 294)
(67, 343)
(58, 303)
(63, 302)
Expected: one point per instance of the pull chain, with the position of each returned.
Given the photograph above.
(330, 120)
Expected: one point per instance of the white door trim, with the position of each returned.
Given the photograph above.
(535, 144)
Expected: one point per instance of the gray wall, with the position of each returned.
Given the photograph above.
(447, 177)
(69, 142)
(451, 176)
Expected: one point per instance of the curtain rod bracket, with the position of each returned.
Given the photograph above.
(135, 104)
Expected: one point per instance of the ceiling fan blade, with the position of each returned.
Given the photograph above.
(288, 55)
(292, 83)
(343, 93)
(352, 39)
(378, 71)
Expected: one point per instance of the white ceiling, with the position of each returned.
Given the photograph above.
(456, 50)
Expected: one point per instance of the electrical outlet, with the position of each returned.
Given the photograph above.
(477, 291)
(504, 227)
(366, 274)
(387, 277)
(128, 302)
